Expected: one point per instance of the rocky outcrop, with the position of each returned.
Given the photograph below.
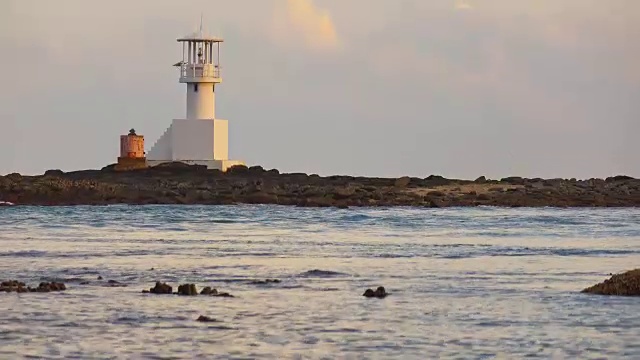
(188, 290)
(185, 290)
(160, 288)
(625, 284)
(178, 183)
(379, 293)
(20, 287)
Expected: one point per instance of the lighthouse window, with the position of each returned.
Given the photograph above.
(195, 87)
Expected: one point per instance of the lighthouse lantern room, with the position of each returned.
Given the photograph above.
(200, 138)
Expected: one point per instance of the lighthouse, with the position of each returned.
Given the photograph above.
(200, 138)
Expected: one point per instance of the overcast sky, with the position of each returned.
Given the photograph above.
(534, 88)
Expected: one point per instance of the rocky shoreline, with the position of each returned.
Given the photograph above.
(183, 184)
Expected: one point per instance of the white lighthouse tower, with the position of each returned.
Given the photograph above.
(200, 138)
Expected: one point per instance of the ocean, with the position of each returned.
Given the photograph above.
(466, 283)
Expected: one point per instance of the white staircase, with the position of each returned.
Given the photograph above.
(161, 150)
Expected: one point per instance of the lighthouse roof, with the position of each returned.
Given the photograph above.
(197, 36)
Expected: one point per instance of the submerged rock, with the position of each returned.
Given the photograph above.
(203, 318)
(114, 283)
(264, 282)
(224, 294)
(379, 293)
(625, 284)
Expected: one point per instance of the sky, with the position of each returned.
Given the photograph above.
(458, 88)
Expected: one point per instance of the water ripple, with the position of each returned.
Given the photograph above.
(464, 283)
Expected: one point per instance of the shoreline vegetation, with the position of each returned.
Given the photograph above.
(178, 183)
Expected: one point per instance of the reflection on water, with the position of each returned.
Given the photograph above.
(468, 283)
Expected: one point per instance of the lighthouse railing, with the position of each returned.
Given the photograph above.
(199, 71)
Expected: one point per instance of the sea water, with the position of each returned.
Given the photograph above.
(465, 283)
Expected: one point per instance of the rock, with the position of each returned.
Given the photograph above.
(203, 318)
(480, 180)
(55, 172)
(619, 178)
(14, 176)
(435, 194)
(379, 293)
(187, 290)
(12, 286)
(209, 291)
(513, 180)
(257, 169)
(264, 282)
(20, 287)
(238, 170)
(113, 283)
(625, 284)
(49, 287)
(223, 295)
(402, 182)
(99, 277)
(161, 288)
(180, 183)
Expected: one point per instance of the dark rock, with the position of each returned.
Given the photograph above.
(480, 180)
(264, 282)
(513, 180)
(619, 178)
(238, 170)
(53, 173)
(49, 286)
(14, 177)
(223, 295)
(203, 318)
(437, 180)
(379, 293)
(161, 288)
(435, 194)
(625, 284)
(99, 277)
(187, 290)
(256, 170)
(209, 291)
(12, 286)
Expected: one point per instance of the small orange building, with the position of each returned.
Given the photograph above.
(132, 154)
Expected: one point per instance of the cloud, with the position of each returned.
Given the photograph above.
(301, 21)
(463, 6)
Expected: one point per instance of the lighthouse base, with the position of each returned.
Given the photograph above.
(194, 142)
(222, 165)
